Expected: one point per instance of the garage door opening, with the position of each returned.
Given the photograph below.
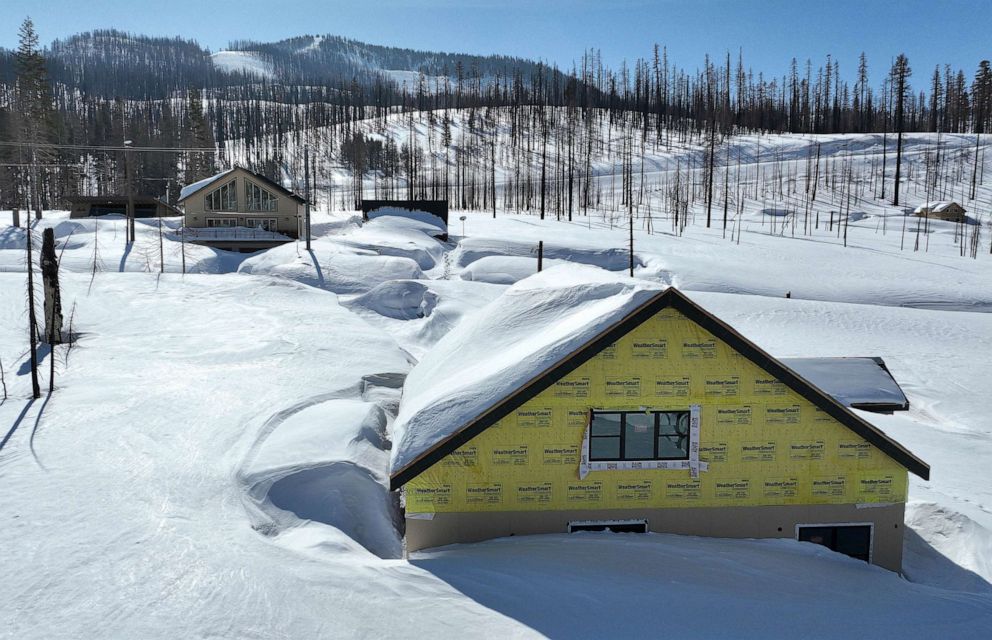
(850, 539)
(616, 526)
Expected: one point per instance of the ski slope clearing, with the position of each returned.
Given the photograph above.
(246, 62)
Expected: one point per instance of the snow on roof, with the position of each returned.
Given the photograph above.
(854, 382)
(190, 189)
(433, 223)
(936, 207)
(534, 325)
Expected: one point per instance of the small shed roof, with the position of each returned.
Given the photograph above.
(860, 383)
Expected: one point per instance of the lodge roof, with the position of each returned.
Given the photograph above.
(432, 423)
(196, 187)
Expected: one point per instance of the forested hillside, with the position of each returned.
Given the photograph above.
(185, 110)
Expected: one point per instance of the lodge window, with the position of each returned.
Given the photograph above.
(639, 435)
(221, 222)
(258, 199)
(266, 224)
(224, 198)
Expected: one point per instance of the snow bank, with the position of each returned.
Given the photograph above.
(85, 245)
(504, 269)
(607, 585)
(418, 313)
(946, 549)
(474, 248)
(400, 237)
(529, 328)
(330, 266)
(326, 463)
(412, 218)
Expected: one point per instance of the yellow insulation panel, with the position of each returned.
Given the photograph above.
(764, 444)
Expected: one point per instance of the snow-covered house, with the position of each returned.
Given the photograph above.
(581, 400)
(432, 212)
(946, 210)
(240, 207)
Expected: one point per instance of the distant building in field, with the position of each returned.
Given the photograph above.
(642, 412)
(240, 210)
(947, 210)
(144, 207)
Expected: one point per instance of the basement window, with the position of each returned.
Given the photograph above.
(616, 526)
(638, 435)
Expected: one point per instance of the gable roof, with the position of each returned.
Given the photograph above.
(190, 189)
(196, 187)
(637, 308)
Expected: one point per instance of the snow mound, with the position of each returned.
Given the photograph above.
(399, 237)
(504, 269)
(346, 497)
(560, 585)
(400, 299)
(612, 259)
(418, 313)
(325, 462)
(529, 328)
(410, 218)
(331, 266)
(946, 549)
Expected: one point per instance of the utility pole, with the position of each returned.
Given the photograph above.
(129, 232)
(630, 208)
(306, 177)
(32, 322)
(494, 172)
(161, 248)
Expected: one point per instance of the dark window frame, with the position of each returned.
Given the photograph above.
(622, 436)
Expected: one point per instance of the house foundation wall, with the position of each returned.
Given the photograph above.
(720, 522)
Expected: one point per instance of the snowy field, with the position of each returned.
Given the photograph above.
(213, 460)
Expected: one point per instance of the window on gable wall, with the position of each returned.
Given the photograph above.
(639, 435)
(258, 199)
(224, 198)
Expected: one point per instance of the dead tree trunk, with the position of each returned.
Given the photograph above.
(50, 280)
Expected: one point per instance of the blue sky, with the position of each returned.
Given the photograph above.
(770, 32)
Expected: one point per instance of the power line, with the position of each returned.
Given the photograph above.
(82, 147)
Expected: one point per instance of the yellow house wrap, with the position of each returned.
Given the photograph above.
(760, 442)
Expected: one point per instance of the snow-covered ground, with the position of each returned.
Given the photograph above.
(213, 459)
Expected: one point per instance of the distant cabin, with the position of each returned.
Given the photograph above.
(241, 210)
(947, 210)
(647, 414)
(144, 207)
